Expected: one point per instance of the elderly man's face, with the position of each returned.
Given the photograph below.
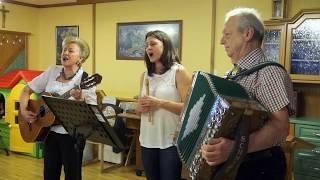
(233, 40)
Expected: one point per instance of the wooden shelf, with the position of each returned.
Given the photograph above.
(305, 81)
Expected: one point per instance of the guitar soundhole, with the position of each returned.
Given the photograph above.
(42, 111)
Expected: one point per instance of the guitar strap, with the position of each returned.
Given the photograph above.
(229, 169)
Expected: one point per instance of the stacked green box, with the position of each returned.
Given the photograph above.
(306, 165)
(4, 135)
(38, 150)
(307, 162)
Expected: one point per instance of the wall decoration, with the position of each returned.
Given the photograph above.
(13, 51)
(279, 9)
(131, 37)
(61, 33)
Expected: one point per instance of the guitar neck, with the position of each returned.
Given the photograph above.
(67, 95)
(85, 84)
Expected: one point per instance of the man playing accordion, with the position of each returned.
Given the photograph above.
(271, 86)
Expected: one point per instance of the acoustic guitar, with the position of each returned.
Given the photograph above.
(39, 129)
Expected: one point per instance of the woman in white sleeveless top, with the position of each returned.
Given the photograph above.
(164, 88)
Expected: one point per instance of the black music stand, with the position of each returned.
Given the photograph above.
(83, 121)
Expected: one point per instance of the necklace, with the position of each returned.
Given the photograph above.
(63, 74)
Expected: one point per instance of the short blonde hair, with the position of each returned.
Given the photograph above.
(84, 47)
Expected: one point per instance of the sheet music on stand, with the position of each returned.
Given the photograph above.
(85, 119)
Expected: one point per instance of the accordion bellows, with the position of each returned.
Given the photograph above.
(213, 109)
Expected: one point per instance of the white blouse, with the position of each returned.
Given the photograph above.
(46, 82)
(160, 133)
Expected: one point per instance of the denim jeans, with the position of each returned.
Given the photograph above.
(161, 164)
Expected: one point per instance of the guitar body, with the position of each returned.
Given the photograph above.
(39, 129)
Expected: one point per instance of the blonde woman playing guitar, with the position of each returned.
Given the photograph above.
(59, 146)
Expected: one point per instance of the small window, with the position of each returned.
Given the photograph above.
(16, 120)
(16, 105)
(2, 106)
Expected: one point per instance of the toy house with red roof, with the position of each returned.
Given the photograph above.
(11, 85)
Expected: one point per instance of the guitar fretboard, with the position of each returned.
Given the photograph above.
(67, 95)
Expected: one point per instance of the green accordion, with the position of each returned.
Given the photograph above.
(214, 108)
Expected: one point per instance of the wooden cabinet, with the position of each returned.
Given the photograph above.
(303, 48)
(306, 161)
(295, 44)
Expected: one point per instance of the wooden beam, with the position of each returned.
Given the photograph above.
(79, 2)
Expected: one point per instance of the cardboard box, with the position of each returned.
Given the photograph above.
(110, 156)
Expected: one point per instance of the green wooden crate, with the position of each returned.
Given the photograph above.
(37, 150)
(4, 135)
(308, 133)
(306, 165)
(306, 162)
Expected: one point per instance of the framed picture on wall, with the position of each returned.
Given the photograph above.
(131, 37)
(61, 33)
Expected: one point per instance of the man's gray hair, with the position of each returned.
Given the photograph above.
(248, 17)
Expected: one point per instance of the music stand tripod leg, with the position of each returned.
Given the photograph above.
(79, 147)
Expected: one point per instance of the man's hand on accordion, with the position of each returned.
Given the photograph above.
(217, 150)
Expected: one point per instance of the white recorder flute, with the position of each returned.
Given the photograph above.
(148, 93)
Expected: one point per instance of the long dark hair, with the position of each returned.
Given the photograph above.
(169, 55)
